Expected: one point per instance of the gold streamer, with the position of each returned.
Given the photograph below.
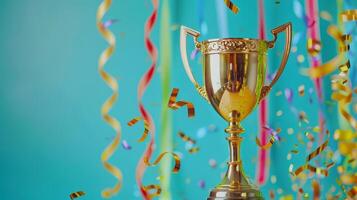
(158, 159)
(75, 195)
(231, 6)
(186, 138)
(316, 170)
(157, 189)
(333, 64)
(317, 151)
(349, 15)
(146, 127)
(108, 104)
(173, 104)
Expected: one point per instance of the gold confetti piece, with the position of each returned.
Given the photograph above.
(349, 15)
(317, 151)
(157, 161)
(231, 6)
(173, 104)
(108, 104)
(266, 146)
(345, 66)
(157, 189)
(186, 138)
(290, 131)
(313, 47)
(310, 136)
(194, 150)
(294, 151)
(301, 90)
(316, 190)
(326, 15)
(273, 179)
(75, 195)
(146, 127)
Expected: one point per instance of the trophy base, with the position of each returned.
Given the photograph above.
(225, 192)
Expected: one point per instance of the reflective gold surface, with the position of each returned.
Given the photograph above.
(234, 76)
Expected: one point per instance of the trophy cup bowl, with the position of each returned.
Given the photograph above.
(234, 78)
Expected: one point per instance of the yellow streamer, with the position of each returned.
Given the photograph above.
(108, 104)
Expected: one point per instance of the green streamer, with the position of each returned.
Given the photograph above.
(166, 120)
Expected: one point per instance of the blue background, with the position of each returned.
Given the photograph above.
(51, 131)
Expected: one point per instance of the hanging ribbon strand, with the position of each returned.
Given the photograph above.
(158, 159)
(143, 84)
(231, 6)
(108, 104)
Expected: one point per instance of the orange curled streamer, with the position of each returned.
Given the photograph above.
(75, 195)
(158, 159)
(146, 128)
(267, 145)
(108, 104)
(157, 189)
(231, 6)
(173, 104)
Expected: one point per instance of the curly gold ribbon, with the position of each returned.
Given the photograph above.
(173, 104)
(333, 64)
(231, 6)
(75, 195)
(158, 159)
(108, 104)
(146, 127)
(157, 189)
(316, 190)
(317, 151)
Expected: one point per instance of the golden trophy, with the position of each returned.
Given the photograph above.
(234, 75)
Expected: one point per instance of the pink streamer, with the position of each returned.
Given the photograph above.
(143, 84)
(312, 12)
(263, 155)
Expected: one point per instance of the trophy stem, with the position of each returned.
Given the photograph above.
(235, 185)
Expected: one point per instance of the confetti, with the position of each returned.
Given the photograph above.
(186, 138)
(279, 113)
(212, 163)
(157, 189)
(108, 104)
(301, 90)
(300, 58)
(231, 6)
(317, 151)
(273, 179)
(202, 184)
(146, 127)
(75, 195)
(126, 145)
(173, 104)
(326, 16)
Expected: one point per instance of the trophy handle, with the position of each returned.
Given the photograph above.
(183, 35)
(287, 28)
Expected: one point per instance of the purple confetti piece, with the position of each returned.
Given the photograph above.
(194, 54)
(110, 22)
(126, 145)
(288, 94)
(201, 184)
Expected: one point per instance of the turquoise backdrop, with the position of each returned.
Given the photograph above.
(51, 131)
